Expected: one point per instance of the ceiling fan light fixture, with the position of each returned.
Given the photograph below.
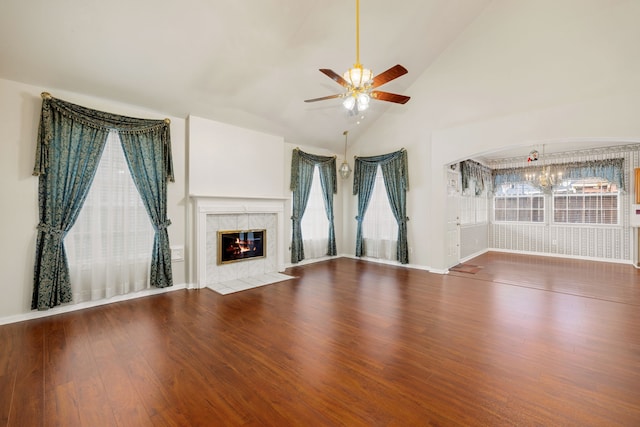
(359, 82)
(358, 77)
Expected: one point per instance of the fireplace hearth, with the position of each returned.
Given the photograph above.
(240, 245)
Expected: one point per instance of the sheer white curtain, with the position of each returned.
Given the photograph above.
(379, 226)
(315, 225)
(109, 246)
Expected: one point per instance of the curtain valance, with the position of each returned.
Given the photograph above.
(326, 163)
(610, 169)
(474, 171)
(397, 158)
(57, 114)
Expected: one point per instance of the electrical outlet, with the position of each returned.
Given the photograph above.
(177, 253)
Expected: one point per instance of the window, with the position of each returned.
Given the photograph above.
(109, 247)
(586, 201)
(521, 202)
(473, 208)
(314, 223)
(379, 226)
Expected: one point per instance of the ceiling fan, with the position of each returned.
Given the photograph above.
(359, 82)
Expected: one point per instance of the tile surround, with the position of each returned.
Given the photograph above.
(213, 214)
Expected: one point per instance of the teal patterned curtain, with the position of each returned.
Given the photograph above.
(610, 169)
(302, 165)
(146, 160)
(474, 171)
(70, 142)
(364, 178)
(396, 180)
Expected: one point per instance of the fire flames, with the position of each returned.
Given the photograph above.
(243, 246)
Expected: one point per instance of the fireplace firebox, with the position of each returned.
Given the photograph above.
(241, 245)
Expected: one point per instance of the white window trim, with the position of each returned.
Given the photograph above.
(618, 224)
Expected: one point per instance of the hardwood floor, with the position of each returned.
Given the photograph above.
(524, 341)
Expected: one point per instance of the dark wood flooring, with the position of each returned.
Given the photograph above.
(524, 341)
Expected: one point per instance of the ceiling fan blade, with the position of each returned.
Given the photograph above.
(392, 73)
(391, 97)
(334, 76)
(339, 95)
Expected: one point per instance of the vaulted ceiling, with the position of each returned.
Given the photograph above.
(245, 63)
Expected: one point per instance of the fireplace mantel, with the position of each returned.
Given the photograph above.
(203, 206)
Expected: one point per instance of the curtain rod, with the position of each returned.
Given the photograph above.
(47, 95)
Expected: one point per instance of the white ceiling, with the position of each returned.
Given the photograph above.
(248, 63)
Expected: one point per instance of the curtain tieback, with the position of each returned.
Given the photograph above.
(358, 218)
(55, 232)
(294, 217)
(163, 225)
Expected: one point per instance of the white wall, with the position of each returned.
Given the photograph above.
(226, 160)
(522, 73)
(474, 239)
(19, 117)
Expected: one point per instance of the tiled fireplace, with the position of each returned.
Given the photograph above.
(221, 214)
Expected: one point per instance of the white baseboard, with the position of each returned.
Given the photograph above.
(585, 258)
(34, 314)
(439, 271)
(376, 260)
(311, 261)
(388, 262)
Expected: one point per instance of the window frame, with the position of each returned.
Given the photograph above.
(540, 210)
(598, 210)
(474, 205)
(377, 243)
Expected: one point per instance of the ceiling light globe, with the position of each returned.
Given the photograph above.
(358, 76)
(349, 102)
(363, 101)
(345, 170)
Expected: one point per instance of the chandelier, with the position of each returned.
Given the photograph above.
(545, 179)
